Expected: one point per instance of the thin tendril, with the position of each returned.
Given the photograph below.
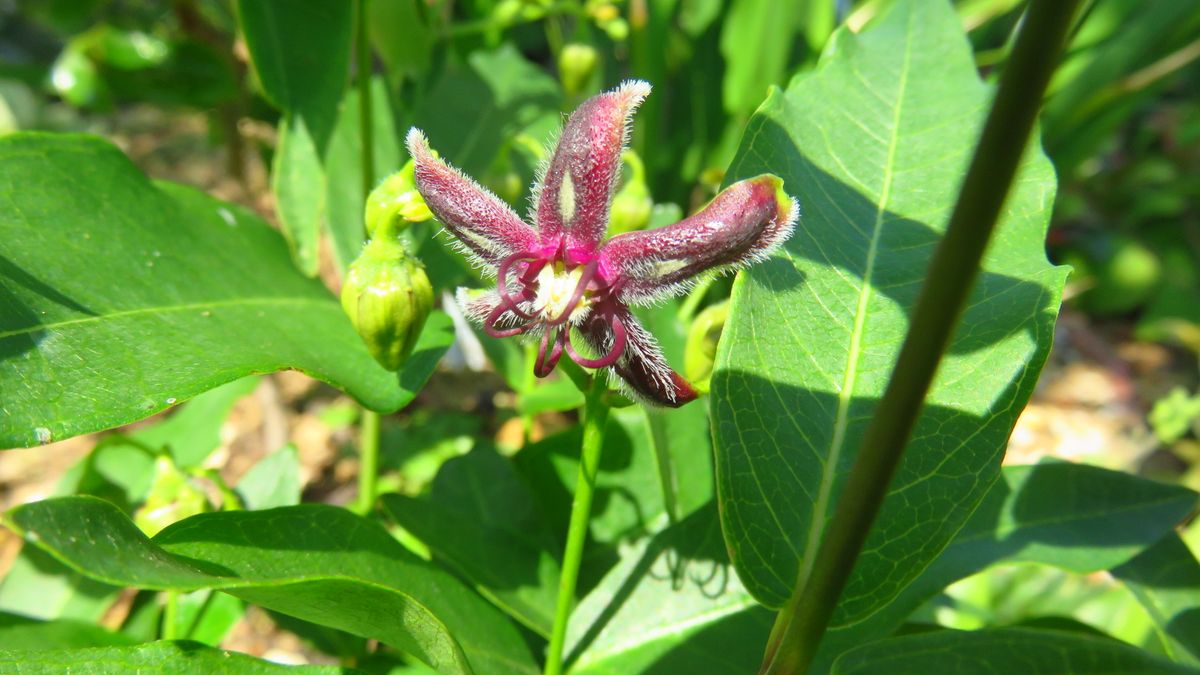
(614, 352)
(545, 364)
(489, 325)
(502, 282)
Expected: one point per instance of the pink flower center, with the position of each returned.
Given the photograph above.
(551, 293)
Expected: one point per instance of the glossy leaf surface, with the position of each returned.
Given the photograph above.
(206, 294)
(1008, 650)
(1075, 517)
(873, 144)
(318, 563)
(153, 657)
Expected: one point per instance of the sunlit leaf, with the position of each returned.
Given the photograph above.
(182, 293)
(873, 144)
(318, 563)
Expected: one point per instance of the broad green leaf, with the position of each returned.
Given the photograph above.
(39, 587)
(298, 182)
(1076, 517)
(155, 657)
(193, 431)
(318, 563)
(301, 55)
(21, 632)
(756, 39)
(400, 34)
(343, 167)
(183, 293)
(672, 604)
(1004, 650)
(506, 92)
(628, 501)
(873, 144)
(1166, 580)
(273, 481)
(482, 521)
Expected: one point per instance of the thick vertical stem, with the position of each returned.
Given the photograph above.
(595, 413)
(170, 616)
(802, 622)
(368, 437)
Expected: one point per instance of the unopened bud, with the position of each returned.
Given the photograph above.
(172, 498)
(576, 64)
(700, 350)
(632, 205)
(395, 203)
(387, 297)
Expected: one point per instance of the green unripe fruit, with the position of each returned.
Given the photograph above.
(387, 297)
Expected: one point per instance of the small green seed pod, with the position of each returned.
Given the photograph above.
(387, 297)
(700, 350)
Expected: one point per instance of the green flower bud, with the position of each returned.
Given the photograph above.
(387, 297)
(632, 205)
(395, 203)
(172, 498)
(576, 64)
(700, 350)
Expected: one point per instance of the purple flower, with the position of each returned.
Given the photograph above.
(561, 282)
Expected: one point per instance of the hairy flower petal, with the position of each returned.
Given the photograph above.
(641, 367)
(576, 190)
(482, 222)
(741, 225)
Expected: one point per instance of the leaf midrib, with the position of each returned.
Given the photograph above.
(162, 309)
(846, 393)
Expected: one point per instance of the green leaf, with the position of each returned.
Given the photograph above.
(756, 40)
(301, 55)
(183, 293)
(671, 605)
(207, 616)
(1166, 580)
(318, 563)
(1006, 650)
(344, 188)
(21, 632)
(298, 182)
(39, 587)
(193, 431)
(155, 657)
(1076, 517)
(273, 481)
(873, 144)
(481, 519)
(507, 93)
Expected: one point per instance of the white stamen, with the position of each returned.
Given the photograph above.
(555, 288)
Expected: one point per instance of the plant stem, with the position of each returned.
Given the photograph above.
(368, 433)
(952, 272)
(170, 616)
(595, 413)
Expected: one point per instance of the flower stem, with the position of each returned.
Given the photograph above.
(595, 415)
(368, 433)
(170, 616)
(803, 620)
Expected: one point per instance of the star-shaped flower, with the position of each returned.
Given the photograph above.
(562, 282)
